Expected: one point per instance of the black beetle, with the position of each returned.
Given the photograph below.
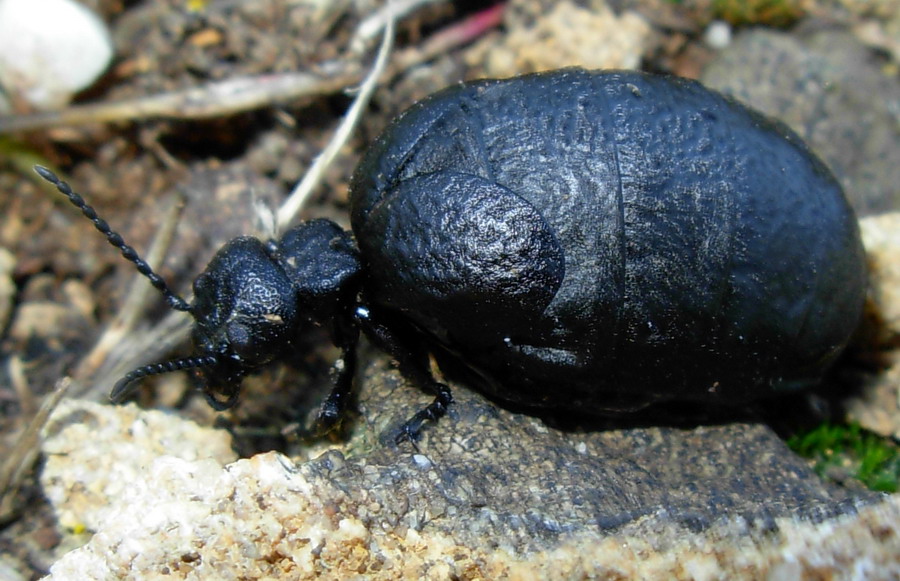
(591, 241)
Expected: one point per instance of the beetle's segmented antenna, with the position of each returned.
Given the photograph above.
(175, 301)
(124, 386)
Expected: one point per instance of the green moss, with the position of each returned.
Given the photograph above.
(777, 13)
(19, 156)
(849, 449)
(774, 13)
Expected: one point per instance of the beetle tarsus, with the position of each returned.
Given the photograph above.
(221, 404)
(411, 430)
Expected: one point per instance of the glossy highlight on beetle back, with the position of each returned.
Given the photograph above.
(706, 253)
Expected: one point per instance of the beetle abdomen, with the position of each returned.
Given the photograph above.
(681, 246)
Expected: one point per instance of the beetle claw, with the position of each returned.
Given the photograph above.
(409, 433)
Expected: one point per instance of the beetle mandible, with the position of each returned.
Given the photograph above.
(593, 241)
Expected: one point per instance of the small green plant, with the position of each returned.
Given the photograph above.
(778, 13)
(851, 450)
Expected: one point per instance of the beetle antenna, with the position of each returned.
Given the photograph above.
(130, 254)
(124, 386)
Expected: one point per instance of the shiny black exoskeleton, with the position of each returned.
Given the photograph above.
(592, 241)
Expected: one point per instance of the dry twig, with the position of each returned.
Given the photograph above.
(211, 100)
(313, 176)
(25, 452)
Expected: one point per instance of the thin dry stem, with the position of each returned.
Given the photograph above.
(314, 175)
(448, 38)
(211, 100)
(385, 16)
(19, 381)
(258, 91)
(25, 452)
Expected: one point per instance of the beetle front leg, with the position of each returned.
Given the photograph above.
(412, 361)
(346, 337)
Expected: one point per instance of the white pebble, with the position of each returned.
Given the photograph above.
(50, 50)
(717, 35)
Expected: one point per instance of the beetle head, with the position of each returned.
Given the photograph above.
(245, 315)
(245, 311)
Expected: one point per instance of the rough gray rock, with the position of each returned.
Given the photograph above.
(503, 496)
(832, 91)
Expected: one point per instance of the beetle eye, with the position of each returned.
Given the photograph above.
(202, 283)
(240, 341)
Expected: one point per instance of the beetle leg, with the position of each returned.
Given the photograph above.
(412, 361)
(346, 337)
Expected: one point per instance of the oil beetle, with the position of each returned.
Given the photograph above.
(591, 241)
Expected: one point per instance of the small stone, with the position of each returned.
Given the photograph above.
(7, 285)
(876, 406)
(717, 35)
(881, 237)
(567, 35)
(50, 50)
